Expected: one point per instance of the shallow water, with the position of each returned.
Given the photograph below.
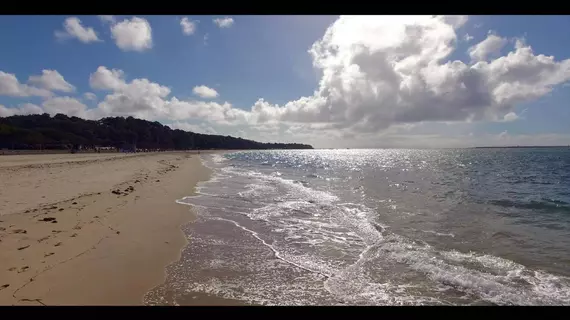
(379, 227)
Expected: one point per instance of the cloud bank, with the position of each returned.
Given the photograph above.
(378, 74)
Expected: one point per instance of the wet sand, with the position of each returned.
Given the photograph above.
(91, 229)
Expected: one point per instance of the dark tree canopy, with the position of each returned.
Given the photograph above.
(61, 131)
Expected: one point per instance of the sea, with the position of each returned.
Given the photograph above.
(482, 226)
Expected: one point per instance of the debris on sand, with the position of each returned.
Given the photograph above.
(20, 231)
(117, 192)
(48, 219)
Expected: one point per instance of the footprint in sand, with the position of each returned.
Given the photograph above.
(24, 247)
(19, 231)
(23, 269)
(4, 286)
(12, 269)
(57, 244)
(49, 254)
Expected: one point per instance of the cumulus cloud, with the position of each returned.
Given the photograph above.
(149, 100)
(491, 45)
(107, 18)
(10, 86)
(511, 116)
(132, 35)
(376, 74)
(383, 71)
(65, 105)
(197, 128)
(205, 92)
(90, 96)
(468, 37)
(106, 79)
(188, 26)
(23, 109)
(74, 29)
(51, 80)
(224, 22)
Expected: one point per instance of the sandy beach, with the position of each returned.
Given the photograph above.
(91, 229)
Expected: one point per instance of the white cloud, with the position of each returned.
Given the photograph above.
(224, 22)
(106, 79)
(381, 77)
(23, 109)
(201, 128)
(90, 96)
(491, 45)
(74, 29)
(132, 35)
(107, 18)
(467, 37)
(456, 21)
(381, 71)
(149, 100)
(65, 105)
(511, 116)
(188, 26)
(10, 86)
(205, 92)
(51, 80)
(206, 39)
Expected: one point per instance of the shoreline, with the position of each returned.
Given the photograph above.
(104, 237)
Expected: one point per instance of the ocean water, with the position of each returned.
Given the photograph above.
(379, 227)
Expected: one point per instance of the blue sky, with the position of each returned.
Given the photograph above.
(248, 58)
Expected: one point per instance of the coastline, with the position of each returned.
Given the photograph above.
(95, 231)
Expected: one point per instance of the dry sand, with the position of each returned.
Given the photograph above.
(67, 237)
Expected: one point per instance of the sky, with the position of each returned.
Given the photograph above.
(330, 81)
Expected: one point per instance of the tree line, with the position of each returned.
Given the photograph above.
(63, 132)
